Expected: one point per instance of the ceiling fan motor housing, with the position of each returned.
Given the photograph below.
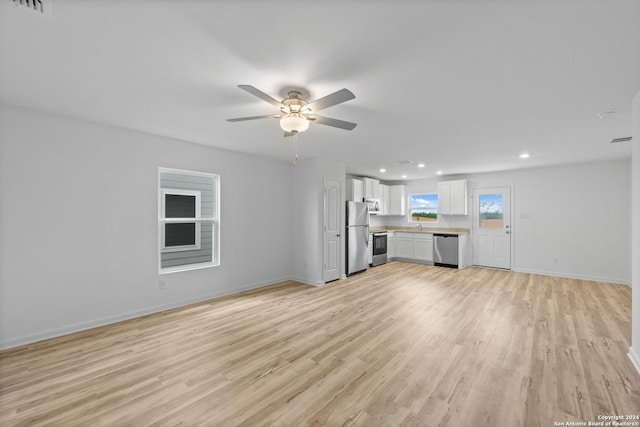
(294, 103)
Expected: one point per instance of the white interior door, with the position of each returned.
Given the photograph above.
(492, 227)
(331, 240)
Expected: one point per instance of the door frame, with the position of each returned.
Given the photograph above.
(511, 216)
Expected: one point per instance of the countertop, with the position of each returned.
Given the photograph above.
(414, 229)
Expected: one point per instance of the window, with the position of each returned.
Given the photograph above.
(490, 211)
(423, 208)
(178, 205)
(188, 225)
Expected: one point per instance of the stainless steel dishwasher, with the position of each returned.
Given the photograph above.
(445, 250)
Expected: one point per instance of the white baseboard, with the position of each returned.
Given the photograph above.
(83, 326)
(573, 276)
(306, 281)
(634, 359)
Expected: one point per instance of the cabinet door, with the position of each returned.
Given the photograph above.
(391, 245)
(370, 248)
(397, 200)
(371, 187)
(357, 190)
(423, 248)
(404, 246)
(444, 198)
(458, 200)
(385, 199)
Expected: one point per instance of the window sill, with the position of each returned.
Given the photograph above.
(180, 268)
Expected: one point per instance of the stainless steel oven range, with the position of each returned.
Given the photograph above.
(379, 249)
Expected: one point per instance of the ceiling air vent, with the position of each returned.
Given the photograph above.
(617, 140)
(43, 7)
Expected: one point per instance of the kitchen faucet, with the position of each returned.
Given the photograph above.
(419, 226)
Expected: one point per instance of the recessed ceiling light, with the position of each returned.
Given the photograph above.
(420, 165)
(404, 176)
(525, 155)
(383, 170)
(439, 173)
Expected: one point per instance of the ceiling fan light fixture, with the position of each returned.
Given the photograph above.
(294, 123)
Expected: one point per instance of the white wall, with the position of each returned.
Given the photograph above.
(78, 224)
(307, 221)
(579, 214)
(306, 212)
(634, 351)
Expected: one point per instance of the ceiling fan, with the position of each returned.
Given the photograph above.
(296, 113)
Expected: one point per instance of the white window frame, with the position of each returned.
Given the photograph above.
(164, 220)
(214, 221)
(411, 209)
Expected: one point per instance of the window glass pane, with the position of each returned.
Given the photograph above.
(179, 234)
(180, 206)
(491, 212)
(424, 207)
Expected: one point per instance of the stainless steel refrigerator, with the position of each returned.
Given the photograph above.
(357, 237)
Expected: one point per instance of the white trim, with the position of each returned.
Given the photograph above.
(215, 221)
(635, 360)
(409, 208)
(179, 220)
(186, 172)
(571, 276)
(187, 267)
(306, 282)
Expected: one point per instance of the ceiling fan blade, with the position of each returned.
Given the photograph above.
(260, 94)
(335, 98)
(336, 123)
(242, 119)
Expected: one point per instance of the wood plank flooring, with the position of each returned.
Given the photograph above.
(399, 345)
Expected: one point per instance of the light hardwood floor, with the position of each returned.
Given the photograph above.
(401, 344)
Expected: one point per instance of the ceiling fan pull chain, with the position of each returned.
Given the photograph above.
(295, 143)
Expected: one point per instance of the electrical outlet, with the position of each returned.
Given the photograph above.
(162, 284)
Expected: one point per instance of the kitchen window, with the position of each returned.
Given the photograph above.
(188, 223)
(423, 208)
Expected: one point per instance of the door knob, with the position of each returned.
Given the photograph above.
(338, 235)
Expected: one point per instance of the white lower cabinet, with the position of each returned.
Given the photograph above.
(423, 247)
(370, 249)
(404, 245)
(414, 246)
(391, 245)
(418, 247)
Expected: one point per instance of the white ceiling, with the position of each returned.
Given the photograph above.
(463, 86)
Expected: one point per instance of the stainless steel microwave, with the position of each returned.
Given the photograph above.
(373, 205)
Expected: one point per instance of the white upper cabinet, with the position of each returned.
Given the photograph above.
(397, 200)
(393, 198)
(355, 190)
(371, 188)
(458, 197)
(385, 199)
(444, 197)
(452, 197)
